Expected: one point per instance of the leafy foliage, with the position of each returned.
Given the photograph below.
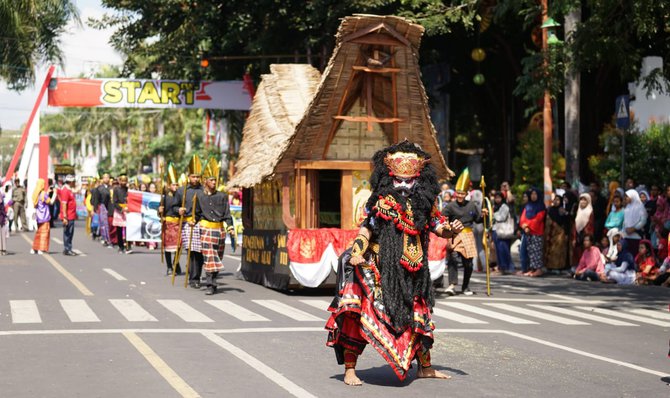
(528, 166)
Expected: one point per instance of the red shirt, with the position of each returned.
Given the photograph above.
(535, 224)
(66, 198)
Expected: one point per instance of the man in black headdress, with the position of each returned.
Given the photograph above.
(385, 292)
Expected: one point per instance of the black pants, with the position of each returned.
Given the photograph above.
(195, 268)
(119, 238)
(454, 261)
(168, 262)
(210, 278)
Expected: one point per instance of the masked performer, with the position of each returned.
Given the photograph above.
(170, 213)
(191, 240)
(212, 212)
(385, 292)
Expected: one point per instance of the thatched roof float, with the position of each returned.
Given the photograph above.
(279, 104)
(373, 78)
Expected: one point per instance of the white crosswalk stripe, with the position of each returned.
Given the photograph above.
(24, 311)
(488, 313)
(132, 311)
(650, 313)
(237, 311)
(536, 314)
(452, 316)
(581, 315)
(79, 311)
(318, 304)
(115, 274)
(184, 311)
(621, 314)
(287, 310)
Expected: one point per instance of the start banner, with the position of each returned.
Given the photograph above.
(138, 93)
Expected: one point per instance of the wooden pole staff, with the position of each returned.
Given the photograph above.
(485, 239)
(179, 245)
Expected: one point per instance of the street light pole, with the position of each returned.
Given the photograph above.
(546, 117)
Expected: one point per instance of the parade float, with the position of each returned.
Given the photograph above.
(307, 146)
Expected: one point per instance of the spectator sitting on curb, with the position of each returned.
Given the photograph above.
(591, 265)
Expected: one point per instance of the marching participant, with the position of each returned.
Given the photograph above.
(169, 212)
(190, 231)
(213, 213)
(120, 203)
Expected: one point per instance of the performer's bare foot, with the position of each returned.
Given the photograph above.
(430, 373)
(350, 378)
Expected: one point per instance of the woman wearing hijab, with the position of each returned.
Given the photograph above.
(650, 207)
(615, 218)
(622, 270)
(41, 202)
(4, 226)
(584, 225)
(634, 219)
(556, 235)
(532, 222)
(645, 261)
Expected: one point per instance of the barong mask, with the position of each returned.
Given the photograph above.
(404, 168)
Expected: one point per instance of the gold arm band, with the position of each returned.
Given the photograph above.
(360, 246)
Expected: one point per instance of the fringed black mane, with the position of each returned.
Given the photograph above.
(399, 285)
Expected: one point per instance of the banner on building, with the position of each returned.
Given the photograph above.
(139, 93)
(142, 221)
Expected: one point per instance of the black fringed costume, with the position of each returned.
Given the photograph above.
(387, 300)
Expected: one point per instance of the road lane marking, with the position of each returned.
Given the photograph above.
(184, 311)
(237, 311)
(577, 314)
(439, 312)
(651, 313)
(536, 314)
(489, 313)
(274, 376)
(287, 310)
(318, 304)
(115, 274)
(132, 311)
(78, 311)
(79, 252)
(568, 298)
(620, 314)
(236, 258)
(161, 367)
(60, 242)
(24, 311)
(76, 282)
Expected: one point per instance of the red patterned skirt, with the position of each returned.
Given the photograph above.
(212, 248)
(171, 236)
(358, 319)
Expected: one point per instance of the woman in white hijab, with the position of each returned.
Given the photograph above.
(584, 225)
(634, 219)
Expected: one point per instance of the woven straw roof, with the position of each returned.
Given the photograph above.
(336, 94)
(279, 104)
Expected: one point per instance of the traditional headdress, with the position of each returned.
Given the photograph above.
(171, 174)
(405, 164)
(182, 179)
(463, 183)
(123, 178)
(211, 169)
(195, 166)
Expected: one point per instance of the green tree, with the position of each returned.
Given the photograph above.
(30, 33)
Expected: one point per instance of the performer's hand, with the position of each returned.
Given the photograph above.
(457, 226)
(65, 221)
(485, 212)
(160, 209)
(191, 223)
(182, 210)
(356, 260)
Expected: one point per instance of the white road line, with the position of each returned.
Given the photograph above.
(287, 310)
(115, 274)
(577, 314)
(79, 252)
(318, 304)
(78, 311)
(237, 258)
(490, 314)
(161, 367)
(496, 285)
(536, 314)
(24, 311)
(237, 311)
(621, 314)
(439, 312)
(259, 366)
(651, 313)
(60, 242)
(184, 311)
(132, 311)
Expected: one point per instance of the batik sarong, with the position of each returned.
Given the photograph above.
(171, 236)
(42, 236)
(212, 248)
(196, 245)
(104, 223)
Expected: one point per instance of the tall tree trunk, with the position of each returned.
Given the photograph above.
(572, 103)
(187, 142)
(113, 147)
(160, 159)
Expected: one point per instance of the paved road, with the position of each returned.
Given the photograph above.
(109, 325)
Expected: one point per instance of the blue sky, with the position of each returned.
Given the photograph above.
(84, 48)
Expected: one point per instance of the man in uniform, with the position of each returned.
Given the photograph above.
(190, 233)
(169, 211)
(100, 198)
(213, 212)
(120, 202)
(19, 205)
(463, 247)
